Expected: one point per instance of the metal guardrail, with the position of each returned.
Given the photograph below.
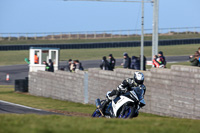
(97, 34)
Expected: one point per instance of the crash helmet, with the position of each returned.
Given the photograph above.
(138, 77)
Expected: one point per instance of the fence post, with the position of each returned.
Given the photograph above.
(128, 33)
(104, 34)
(35, 36)
(18, 37)
(26, 36)
(52, 36)
(69, 35)
(86, 87)
(86, 35)
(61, 36)
(9, 37)
(78, 36)
(95, 36)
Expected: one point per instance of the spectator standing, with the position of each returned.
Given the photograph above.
(51, 67)
(78, 65)
(46, 66)
(162, 59)
(104, 64)
(36, 59)
(112, 62)
(194, 59)
(135, 63)
(126, 61)
(157, 62)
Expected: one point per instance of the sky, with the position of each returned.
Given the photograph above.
(29, 16)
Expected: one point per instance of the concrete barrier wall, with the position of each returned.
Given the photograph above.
(59, 85)
(170, 92)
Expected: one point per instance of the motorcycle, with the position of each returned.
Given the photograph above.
(123, 106)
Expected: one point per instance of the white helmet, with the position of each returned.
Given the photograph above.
(138, 77)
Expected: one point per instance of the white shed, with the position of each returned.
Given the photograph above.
(37, 55)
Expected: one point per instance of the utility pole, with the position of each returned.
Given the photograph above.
(155, 28)
(142, 39)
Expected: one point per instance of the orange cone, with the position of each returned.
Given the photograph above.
(7, 77)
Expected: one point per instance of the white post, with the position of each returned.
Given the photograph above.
(155, 29)
(142, 38)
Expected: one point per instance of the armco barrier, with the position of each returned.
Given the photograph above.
(170, 92)
(100, 45)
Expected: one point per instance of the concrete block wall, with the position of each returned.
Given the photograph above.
(170, 92)
(58, 85)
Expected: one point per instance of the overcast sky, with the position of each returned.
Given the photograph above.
(62, 16)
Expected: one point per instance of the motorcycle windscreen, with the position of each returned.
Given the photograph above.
(119, 103)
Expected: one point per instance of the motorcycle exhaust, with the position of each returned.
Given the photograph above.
(98, 105)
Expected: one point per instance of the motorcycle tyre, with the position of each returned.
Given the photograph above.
(132, 114)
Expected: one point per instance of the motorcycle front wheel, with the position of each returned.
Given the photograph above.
(129, 112)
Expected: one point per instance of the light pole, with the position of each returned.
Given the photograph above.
(142, 39)
(155, 28)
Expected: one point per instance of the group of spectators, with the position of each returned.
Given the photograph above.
(129, 63)
(195, 59)
(108, 65)
(133, 62)
(74, 65)
(159, 60)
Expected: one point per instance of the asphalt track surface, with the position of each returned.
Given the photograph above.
(21, 71)
(7, 107)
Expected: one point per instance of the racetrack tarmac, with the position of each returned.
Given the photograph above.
(7, 107)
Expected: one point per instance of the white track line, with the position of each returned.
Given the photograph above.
(21, 105)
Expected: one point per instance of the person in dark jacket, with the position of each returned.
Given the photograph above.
(78, 65)
(126, 61)
(194, 59)
(135, 63)
(104, 64)
(112, 62)
(162, 58)
(51, 67)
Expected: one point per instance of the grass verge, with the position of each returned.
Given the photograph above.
(145, 123)
(17, 57)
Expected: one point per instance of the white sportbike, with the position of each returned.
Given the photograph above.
(124, 106)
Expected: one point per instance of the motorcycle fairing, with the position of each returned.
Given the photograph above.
(119, 103)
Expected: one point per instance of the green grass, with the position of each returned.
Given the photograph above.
(17, 57)
(8, 94)
(30, 123)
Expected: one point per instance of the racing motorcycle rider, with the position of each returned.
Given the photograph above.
(129, 84)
